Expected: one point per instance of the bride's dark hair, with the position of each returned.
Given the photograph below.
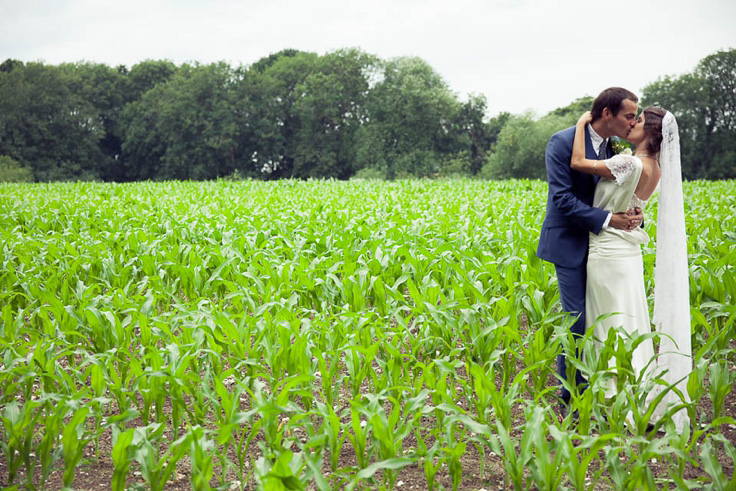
(653, 126)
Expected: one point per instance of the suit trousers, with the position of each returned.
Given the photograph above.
(571, 284)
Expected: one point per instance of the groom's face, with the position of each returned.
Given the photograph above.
(625, 120)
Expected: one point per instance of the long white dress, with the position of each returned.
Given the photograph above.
(615, 283)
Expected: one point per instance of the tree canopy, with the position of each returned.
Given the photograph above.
(296, 114)
(704, 103)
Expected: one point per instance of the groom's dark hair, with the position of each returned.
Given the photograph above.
(611, 98)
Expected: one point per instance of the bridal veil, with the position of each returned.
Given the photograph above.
(671, 290)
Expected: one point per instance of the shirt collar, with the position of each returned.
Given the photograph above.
(595, 138)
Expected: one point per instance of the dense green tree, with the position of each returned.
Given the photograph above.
(267, 96)
(704, 103)
(47, 125)
(12, 171)
(409, 116)
(519, 151)
(685, 98)
(573, 110)
(104, 88)
(8, 65)
(330, 112)
(298, 114)
(184, 129)
(144, 76)
(494, 127)
(267, 61)
(132, 85)
(301, 111)
(718, 71)
(482, 134)
(468, 138)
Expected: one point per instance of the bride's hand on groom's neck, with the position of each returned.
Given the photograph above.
(585, 118)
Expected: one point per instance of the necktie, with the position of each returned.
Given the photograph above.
(602, 151)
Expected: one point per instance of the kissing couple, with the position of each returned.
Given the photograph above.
(593, 232)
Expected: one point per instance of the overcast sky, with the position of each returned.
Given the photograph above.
(521, 54)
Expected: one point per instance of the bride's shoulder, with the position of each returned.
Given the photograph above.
(622, 165)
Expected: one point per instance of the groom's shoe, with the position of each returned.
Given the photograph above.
(565, 412)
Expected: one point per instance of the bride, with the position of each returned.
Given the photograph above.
(615, 271)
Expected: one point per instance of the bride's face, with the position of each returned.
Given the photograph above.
(637, 135)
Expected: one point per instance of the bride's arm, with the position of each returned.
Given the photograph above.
(578, 161)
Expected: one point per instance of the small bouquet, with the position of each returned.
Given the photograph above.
(620, 146)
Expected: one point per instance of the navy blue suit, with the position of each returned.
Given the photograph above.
(570, 217)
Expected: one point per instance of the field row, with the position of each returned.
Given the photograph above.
(343, 334)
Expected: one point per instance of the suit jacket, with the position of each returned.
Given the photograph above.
(570, 214)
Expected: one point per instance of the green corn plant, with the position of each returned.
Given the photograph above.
(122, 457)
(332, 429)
(536, 350)
(683, 455)
(544, 461)
(721, 381)
(576, 453)
(388, 466)
(227, 418)
(505, 446)
(358, 435)
(713, 467)
(428, 456)
(696, 380)
(74, 439)
(388, 430)
(271, 408)
(12, 323)
(96, 376)
(19, 425)
(502, 400)
(357, 363)
(247, 432)
(640, 475)
(613, 464)
(330, 379)
(395, 370)
(283, 474)
(48, 450)
(118, 376)
(453, 452)
(200, 456)
(482, 391)
(314, 471)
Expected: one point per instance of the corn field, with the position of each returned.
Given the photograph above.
(332, 335)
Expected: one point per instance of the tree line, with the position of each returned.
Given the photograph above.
(297, 114)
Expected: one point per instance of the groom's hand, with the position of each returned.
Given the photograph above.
(628, 220)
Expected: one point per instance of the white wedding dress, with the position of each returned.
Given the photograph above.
(615, 285)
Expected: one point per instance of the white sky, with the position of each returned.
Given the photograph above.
(521, 54)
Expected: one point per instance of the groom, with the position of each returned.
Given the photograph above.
(570, 215)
